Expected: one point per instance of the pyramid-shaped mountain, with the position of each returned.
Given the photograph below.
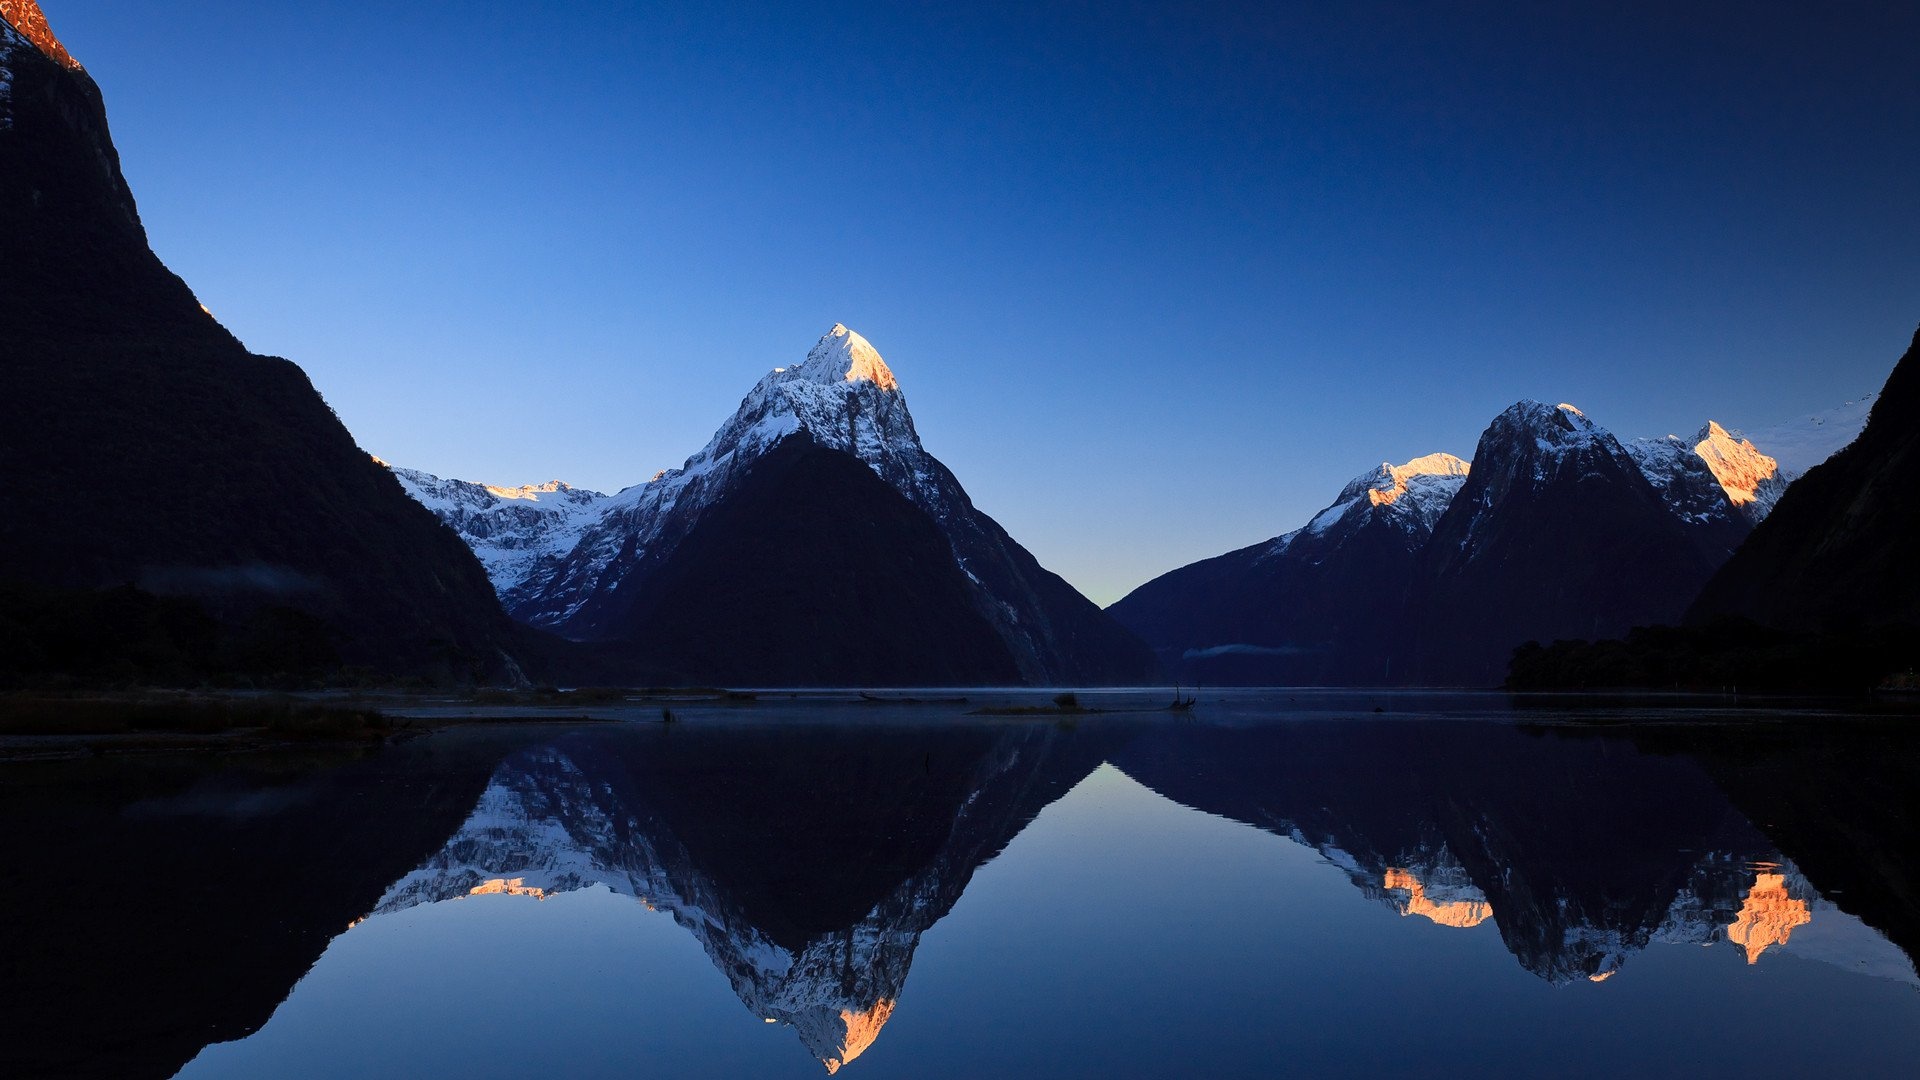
(146, 447)
(813, 541)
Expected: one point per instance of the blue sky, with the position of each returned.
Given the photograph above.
(1157, 279)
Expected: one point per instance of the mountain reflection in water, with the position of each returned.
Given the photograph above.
(808, 860)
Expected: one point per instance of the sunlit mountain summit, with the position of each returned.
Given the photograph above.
(815, 505)
(1432, 572)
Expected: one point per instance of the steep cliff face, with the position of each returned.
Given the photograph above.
(146, 446)
(1839, 551)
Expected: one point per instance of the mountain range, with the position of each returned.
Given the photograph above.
(231, 531)
(1432, 572)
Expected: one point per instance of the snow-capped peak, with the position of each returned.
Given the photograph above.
(514, 531)
(843, 395)
(531, 492)
(1411, 496)
(1398, 478)
(1560, 425)
(1749, 476)
(26, 17)
(843, 356)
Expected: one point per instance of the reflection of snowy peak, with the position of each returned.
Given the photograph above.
(1426, 881)
(552, 822)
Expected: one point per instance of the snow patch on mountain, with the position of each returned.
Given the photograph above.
(513, 531)
(1808, 440)
(843, 395)
(10, 40)
(1411, 497)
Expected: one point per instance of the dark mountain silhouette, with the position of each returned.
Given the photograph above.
(146, 447)
(813, 571)
(1841, 551)
(1319, 606)
(1823, 596)
(1433, 572)
(1557, 534)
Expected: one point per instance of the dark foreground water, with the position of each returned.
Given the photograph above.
(1271, 887)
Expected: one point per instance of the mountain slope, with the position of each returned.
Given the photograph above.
(513, 531)
(844, 399)
(1320, 605)
(812, 571)
(1811, 438)
(1839, 550)
(145, 445)
(1557, 534)
(1714, 480)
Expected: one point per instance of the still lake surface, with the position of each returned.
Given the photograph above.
(1276, 885)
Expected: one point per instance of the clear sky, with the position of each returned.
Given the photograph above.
(1157, 279)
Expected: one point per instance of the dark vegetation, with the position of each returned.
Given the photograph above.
(281, 718)
(1736, 655)
(53, 638)
(1731, 655)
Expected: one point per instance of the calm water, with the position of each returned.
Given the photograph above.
(1274, 886)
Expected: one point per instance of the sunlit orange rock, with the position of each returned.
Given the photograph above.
(1739, 466)
(1431, 465)
(1461, 914)
(508, 887)
(26, 17)
(862, 1029)
(1768, 917)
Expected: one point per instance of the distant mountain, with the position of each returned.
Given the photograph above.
(211, 491)
(1712, 479)
(1840, 551)
(1556, 534)
(1432, 572)
(512, 530)
(1321, 605)
(599, 572)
